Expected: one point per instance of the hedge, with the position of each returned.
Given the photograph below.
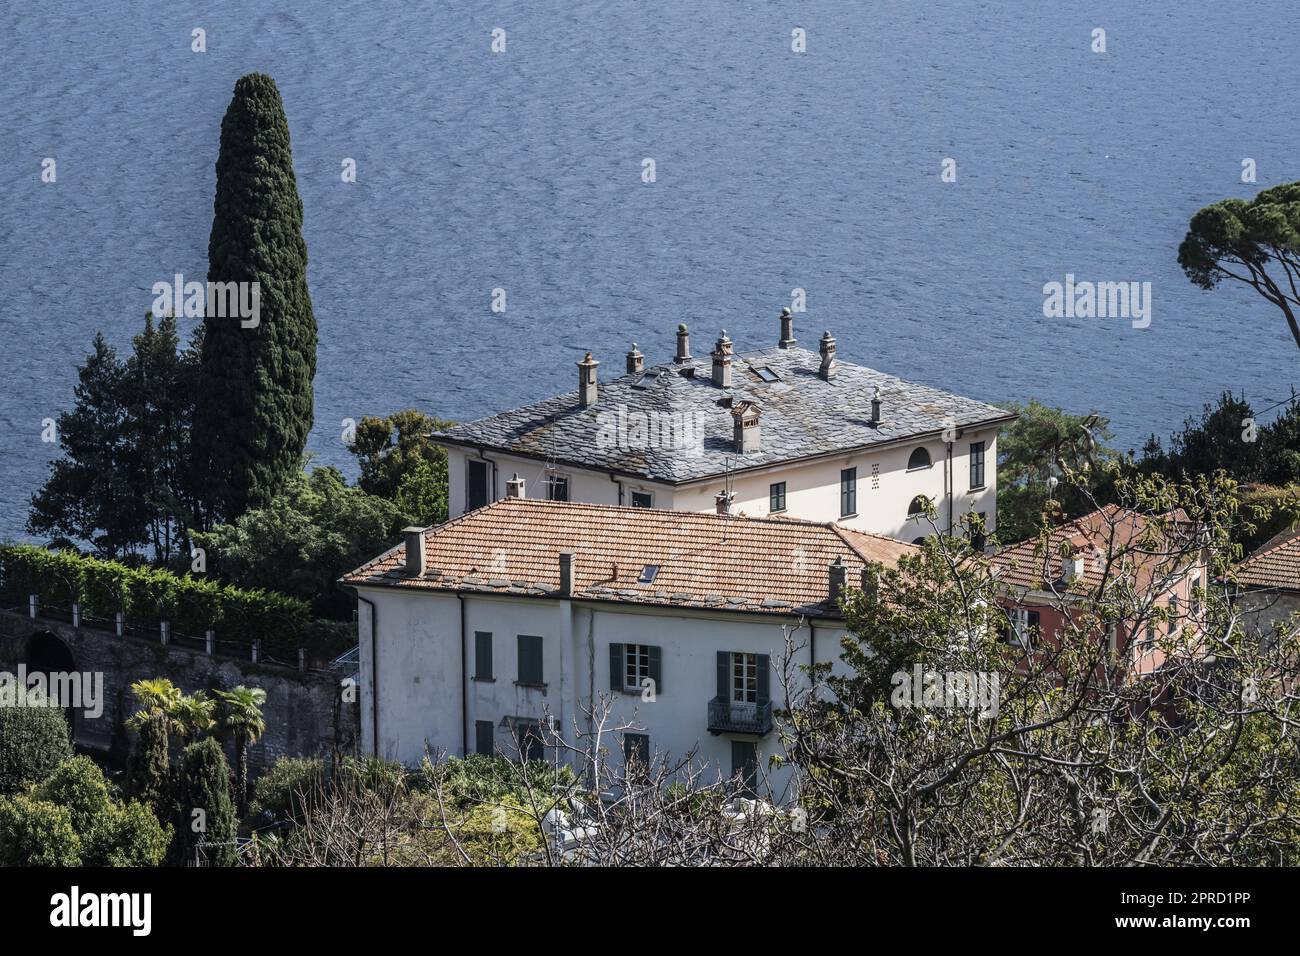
(146, 596)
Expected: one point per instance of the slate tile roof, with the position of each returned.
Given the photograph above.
(513, 546)
(801, 416)
(1275, 564)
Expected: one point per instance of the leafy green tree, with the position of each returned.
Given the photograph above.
(317, 529)
(110, 833)
(147, 768)
(37, 833)
(391, 450)
(1042, 443)
(1222, 438)
(159, 384)
(241, 717)
(204, 814)
(158, 697)
(254, 399)
(88, 496)
(1255, 242)
(34, 739)
(1279, 447)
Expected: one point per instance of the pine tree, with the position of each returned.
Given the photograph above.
(88, 495)
(205, 813)
(254, 406)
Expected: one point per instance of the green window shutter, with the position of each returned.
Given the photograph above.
(657, 669)
(530, 659)
(484, 737)
(724, 675)
(764, 667)
(616, 667)
(483, 655)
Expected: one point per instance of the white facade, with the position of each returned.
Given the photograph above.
(426, 695)
(885, 485)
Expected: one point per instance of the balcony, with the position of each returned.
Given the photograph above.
(728, 717)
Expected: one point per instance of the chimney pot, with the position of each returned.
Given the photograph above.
(414, 551)
(744, 416)
(722, 361)
(838, 574)
(566, 573)
(635, 361)
(827, 370)
(587, 387)
(787, 329)
(875, 406)
(723, 501)
(515, 487)
(683, 344)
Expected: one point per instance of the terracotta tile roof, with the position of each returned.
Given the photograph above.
(1275, 564)
(1032, 565)
(512, 546)
(801, 416)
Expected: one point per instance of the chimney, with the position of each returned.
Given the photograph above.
(683, 344)
(515, 487)
(723, 500)
(414, 551)
(587, 381)
(875, 406)
(566, 573)
(837, 579)
(827, 371)
(744, 417)
(870, 581)
(722, 361)
(787, 329)
(635, 361)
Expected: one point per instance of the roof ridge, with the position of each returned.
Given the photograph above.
(1275, 543)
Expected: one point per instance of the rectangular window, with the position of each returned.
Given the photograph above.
(744, 765)
(1193, 590)
(848, 492)
(1173, 614)
(482, 655)
(530, 660)
(528, 739)
(636, 665)
(636, 750)
(634, 668)
(485, 738)
(744, 678)
(1022, 628)
(476, 485)
(976, 465)
(642, 499)
(557, 488)
(978, 535)
(776, 497)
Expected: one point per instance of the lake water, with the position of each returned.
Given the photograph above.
(775, 170)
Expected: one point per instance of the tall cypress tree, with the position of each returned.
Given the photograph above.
(254, 403)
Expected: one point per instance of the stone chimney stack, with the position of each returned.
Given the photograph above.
(635, 361)
(683, 344)
(838, 578)
(722, 361)
(875, 406)
(414, 551)
(787, 329)
(566, 573)
(587, 388)
(515, 487)
(723, 500)
(827, 371)
(744, 416)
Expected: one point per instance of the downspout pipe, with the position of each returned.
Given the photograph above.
(949, 483)
(620, 486)
(464, 682)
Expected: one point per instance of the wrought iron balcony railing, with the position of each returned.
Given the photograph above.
(730, 717)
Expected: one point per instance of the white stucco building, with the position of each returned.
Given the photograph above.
(475, 631)
(780, 430)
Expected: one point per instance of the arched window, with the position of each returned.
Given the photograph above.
(917, 507)
(920, 458)
(919, 541)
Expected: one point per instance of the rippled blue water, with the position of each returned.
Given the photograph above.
(775, 171)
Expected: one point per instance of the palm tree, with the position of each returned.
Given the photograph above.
(158, 698)
(242, 718)
(194, 716)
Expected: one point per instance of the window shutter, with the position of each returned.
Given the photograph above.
(530, 659)
(724, 677)
(483, 654)
(656, 669)
(486, 734)
(764, 666)
(616, 667)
